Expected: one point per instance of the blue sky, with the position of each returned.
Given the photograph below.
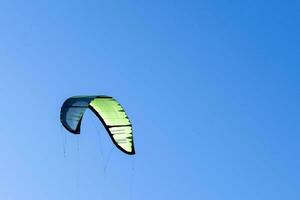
(211, 87)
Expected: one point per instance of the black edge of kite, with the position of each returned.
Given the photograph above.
(77, 130)
(109, 133)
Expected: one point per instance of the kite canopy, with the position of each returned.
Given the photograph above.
(109, 112)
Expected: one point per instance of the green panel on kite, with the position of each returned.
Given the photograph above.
(116, 121)
(110, 113)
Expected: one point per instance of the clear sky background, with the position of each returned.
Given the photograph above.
(212, 89)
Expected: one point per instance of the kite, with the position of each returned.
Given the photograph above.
(108, 111)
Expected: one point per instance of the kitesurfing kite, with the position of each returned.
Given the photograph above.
(109, 112)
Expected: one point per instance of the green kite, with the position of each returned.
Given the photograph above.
(109, 112)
